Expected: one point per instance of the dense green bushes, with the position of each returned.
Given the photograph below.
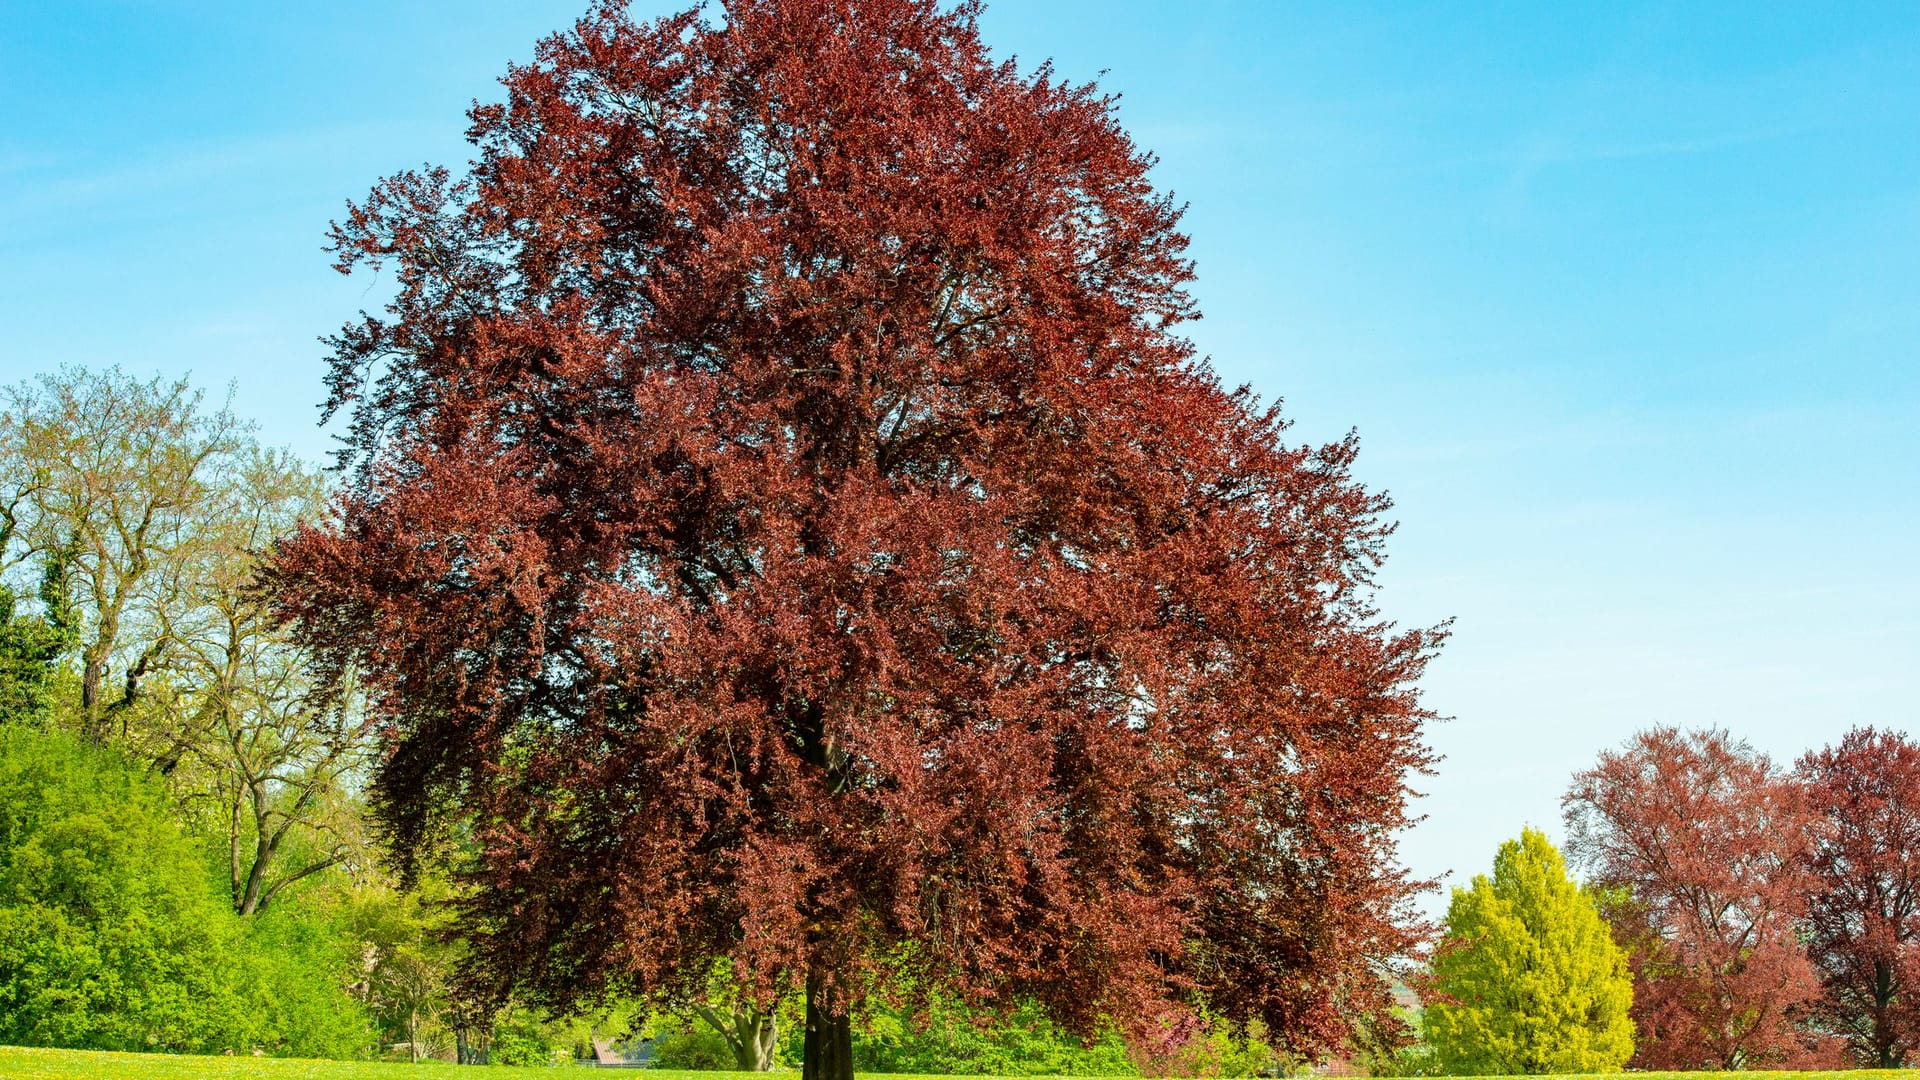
(114, 935)
(299, 957)
(109, 936)
(949, 1041)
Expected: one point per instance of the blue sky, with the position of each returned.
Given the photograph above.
(1624, 300)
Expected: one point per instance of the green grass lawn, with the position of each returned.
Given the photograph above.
(23, 1063)
(18, 1063)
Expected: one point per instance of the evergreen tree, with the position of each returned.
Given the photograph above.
(1528, 977)
(30, 648)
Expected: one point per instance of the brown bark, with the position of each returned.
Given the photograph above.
(828, 1051)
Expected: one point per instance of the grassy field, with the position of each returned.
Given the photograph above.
(21, 1063)
(32, 1064)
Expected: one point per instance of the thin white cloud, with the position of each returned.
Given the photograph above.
(188, 165)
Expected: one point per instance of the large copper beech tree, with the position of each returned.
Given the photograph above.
(785, 525)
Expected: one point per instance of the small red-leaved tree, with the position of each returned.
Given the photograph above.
(1702, 843)
(1864, 920)
(786, 526)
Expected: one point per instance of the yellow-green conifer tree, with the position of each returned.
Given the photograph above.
(1528, 978)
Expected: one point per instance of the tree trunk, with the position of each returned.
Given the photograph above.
(828, 1052)
(249, 899)
(1886, 1050)
(470, 1046)
(750, 1034)
(759, 1034)
(93, 672)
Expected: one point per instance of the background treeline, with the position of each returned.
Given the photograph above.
(186, 861)
(184, 864)
(1736, 915)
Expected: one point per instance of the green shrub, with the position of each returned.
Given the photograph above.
(681, 1042)
(298, 961)
(951, 1040)
(110, 937)
(521, 1038)
(114, 936)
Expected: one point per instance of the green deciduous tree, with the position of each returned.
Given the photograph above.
(406, 966)
(1528, 978)
(751, 1033)
(109, 478)
(269, 752)
(140, 515)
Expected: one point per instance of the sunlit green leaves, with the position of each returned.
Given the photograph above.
(1528, 978)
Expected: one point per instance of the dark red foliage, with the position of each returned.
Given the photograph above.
(1864, 920)
(788, 528)
(1702, 844)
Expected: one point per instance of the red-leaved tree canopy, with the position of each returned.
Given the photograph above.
(1863, 924)
(786, 526)
(1701, 844)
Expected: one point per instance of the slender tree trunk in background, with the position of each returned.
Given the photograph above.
(249, 899)
(93, 672)
(828, 1053)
